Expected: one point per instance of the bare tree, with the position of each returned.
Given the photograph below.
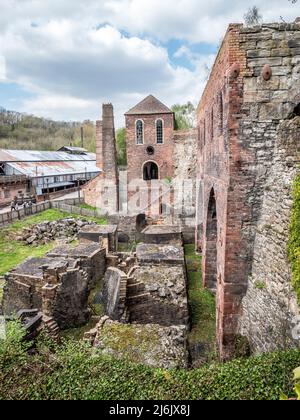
(253, 17)
(293, 1)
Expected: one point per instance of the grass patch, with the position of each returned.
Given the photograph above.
(87, 207)
(13, 253)
(202, 303)
(78, 333)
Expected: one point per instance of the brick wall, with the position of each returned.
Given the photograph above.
(238, 120)
(103, 191)
(137, 155)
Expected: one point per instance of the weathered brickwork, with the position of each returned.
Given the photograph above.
(137, 155)
(103, 191)
(253, 88)
(57, 285)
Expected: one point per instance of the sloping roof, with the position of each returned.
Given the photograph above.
(41, 156)
(149, 106)
(38, 169)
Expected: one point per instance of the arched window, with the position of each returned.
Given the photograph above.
(150, 171)
(159, 131)
(139, 132)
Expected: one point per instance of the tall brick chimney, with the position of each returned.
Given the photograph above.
(99, 145)
(107, 185)
(109, 148)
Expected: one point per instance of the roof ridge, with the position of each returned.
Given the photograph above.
(149, 105)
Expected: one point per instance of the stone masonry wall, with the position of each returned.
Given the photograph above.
(270, 303)
(253, 89)
(271, 93)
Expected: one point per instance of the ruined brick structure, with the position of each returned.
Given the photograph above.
(155, 152)
(57, 285)
(103, 191)
(246, 163)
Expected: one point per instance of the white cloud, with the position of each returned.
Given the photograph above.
(2, 69)
(73, 55)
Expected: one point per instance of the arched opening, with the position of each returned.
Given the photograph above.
(150, 171)
(211, 270)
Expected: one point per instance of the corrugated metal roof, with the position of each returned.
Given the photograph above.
(40, 156)
(38, 169)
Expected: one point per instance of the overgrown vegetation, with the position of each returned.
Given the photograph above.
(22, 131)
(294, 239)
(297, 385)
(202, 304)
(253, 17)
(74, 371)
(185, 116)
(121, 147)
(13, 252)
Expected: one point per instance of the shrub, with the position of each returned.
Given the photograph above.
(294, 239)
(74, 370)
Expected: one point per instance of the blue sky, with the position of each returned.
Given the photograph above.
(62, 58)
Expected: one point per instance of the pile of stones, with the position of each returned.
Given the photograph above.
(43, 233)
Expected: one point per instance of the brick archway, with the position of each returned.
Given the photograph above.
(211, 266)
(150, 171)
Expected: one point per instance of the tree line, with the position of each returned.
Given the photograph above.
(23, 131)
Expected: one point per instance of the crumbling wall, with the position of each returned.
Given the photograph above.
(114, 294)
(252, 90)
(91, 257)
(65, 297)
(23, 286)
(57, 285)
(270, 304)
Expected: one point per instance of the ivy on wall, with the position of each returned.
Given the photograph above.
(294, 240)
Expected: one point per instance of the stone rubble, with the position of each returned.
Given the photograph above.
(43, 233)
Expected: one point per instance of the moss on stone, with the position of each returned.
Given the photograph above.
(130, 341)
(294, 239)
(202, 303)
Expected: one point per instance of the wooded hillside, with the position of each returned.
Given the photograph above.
(22, 131)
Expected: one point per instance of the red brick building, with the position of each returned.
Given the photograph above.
(252, 91)
(150, 142)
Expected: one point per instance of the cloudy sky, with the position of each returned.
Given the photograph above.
(62, 58)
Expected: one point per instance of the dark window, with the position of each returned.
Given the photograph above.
(139, 132)
(159, 132)
(150, 171)
(150, 150)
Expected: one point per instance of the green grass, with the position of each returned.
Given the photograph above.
(13, 252)
(87, 207)
(78, 333)
(202, 303)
